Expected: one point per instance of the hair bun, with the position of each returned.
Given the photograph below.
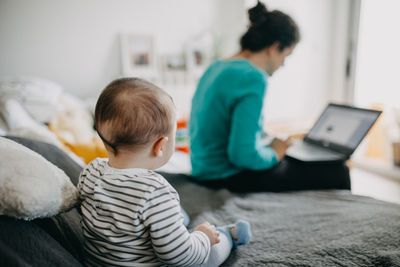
(258, 13)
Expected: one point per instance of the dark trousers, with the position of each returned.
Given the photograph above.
(289, 175)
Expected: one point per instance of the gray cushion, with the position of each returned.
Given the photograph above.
(64, 227)
(23, 243)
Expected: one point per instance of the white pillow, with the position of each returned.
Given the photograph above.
(38, 96)
(30, 186)
(21, 124)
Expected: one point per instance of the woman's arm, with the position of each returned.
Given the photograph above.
(245, 148)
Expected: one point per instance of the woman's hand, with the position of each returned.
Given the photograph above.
(210, 231)
(280, 146)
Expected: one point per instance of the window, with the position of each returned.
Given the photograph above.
(378, 57)
(376, 76)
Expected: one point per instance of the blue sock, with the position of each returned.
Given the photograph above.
(186, 218)
(239, 232)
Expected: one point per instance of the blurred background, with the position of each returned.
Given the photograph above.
(349, 53)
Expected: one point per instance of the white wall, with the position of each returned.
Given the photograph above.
(313, 75)
(76, 44)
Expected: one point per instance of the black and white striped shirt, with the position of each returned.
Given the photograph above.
(131, 217)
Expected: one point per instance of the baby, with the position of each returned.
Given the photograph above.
(131, 215)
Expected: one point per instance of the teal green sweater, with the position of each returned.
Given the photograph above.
(226, 121)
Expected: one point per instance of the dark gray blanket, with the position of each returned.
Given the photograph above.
(313, 228)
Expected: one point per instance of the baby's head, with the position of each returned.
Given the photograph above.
(132, 114)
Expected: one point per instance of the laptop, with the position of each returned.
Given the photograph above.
(336, 134)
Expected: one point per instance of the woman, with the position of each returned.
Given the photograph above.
(226, 121)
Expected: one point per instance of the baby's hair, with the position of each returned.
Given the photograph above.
(268, 27)
(132, 112)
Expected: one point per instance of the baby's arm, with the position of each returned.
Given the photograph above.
(81, 181)
(171, 241)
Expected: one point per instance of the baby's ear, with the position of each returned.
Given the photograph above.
(158, 146)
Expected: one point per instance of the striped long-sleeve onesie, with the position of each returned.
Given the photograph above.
(131, 217)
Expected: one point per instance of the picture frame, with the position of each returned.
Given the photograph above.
(198, 53)
(138, 56)
(174, 62)
(197, 57)
(173, 69)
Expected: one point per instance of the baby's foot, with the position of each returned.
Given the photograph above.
(239, 232)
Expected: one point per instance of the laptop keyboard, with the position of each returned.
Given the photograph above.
(315, 150)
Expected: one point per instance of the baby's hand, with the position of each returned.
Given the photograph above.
(210, 231)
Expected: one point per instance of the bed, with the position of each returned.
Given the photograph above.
(307, 228)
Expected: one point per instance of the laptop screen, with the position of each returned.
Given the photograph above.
(342, 127)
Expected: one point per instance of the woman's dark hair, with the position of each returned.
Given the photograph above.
(268, 27)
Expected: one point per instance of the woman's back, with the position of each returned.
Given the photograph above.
(215, 135)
